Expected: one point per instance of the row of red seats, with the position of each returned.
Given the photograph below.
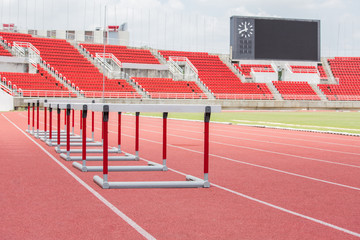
(245, 69)
(122, 53)
(66, 60)
(296, 90)
(347, 71)
(157, 86)
(216, 76)
(4, 52)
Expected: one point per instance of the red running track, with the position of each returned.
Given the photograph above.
(266, 184)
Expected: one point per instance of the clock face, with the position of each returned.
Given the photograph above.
(246, 29)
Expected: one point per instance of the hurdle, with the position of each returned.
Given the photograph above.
(75, 140)
(65, 153)
(191, 181)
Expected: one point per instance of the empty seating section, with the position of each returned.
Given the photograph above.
(219, 79)
(68, 62)
(124, 54)
(296, 90)
(347, 71)
(321, 70)
(168, 88)
(303, 69)
(40, 84)
(245, 69)
(4, 52)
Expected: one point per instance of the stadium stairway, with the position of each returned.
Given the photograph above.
(327, 69)
(318, 92)
(161, 59)
(68, 86)
(104, 71)
(274, 91)
(231, 66)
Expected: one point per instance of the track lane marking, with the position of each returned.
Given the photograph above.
(255, 199)
(128, 220)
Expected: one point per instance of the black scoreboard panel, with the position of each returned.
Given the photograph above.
(275, 39)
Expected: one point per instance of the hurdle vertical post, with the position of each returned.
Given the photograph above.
(65, 123)
(137, 121)
(81, 124)
(28, 117)
(93, 124)
(165, 116)
(207, 116)
(68, 113)
(105, 120)
(84, 116)
(73, 121)
(37, 116)
(58, 127)
(119, 132)
(50, 125)
(33, 116)
(45, 123)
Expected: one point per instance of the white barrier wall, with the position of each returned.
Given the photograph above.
(264, 77)
(6, 102)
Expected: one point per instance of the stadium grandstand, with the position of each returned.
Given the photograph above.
(62, 64)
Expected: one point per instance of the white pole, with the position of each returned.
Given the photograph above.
(165, 32)
(43, 15)
(85, 15)
(104, 58)
(26, 11)
(18, 14)
(35, 16)
(149, 30)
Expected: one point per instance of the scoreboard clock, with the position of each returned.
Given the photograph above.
(244, 29)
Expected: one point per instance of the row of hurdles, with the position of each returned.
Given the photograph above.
(68, 139)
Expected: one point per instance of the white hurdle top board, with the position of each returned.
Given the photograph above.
(99, 107)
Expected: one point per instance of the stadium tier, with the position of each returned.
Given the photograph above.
(40, 84)
(168, 88)
(295, 90)
(347, 71)
(245, 69)
(71, 64)
(4, 52)
(219, 79)
(322, 72)
(122, 53)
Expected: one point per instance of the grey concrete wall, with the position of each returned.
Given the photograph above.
(13, 64)
(151, 73)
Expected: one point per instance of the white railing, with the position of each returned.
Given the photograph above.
(46, 93)
(32, 53)
(102, 57)
(189, 72)
(184, 59)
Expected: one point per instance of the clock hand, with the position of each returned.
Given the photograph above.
(242, 31)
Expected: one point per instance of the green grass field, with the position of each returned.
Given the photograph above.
(317, 120)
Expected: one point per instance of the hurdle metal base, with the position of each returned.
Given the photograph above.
(79, 144)
(127, 157)
(191, 182)
(150, 167)
(89, 150)
(54, 141)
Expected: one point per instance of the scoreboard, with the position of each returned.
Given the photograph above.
(274, 39)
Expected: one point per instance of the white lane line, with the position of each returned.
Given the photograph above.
(277, 207)
(128, 220)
